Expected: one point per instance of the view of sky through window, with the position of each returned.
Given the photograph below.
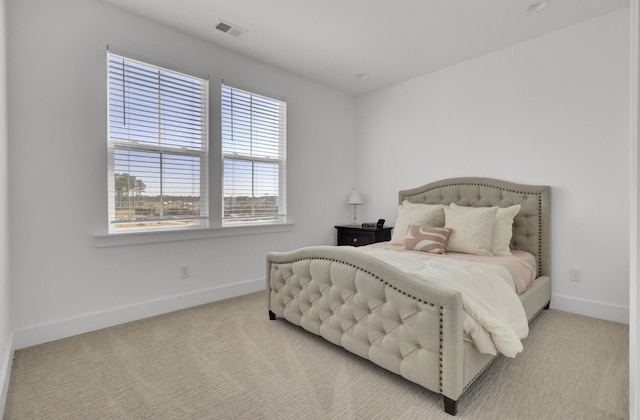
(253, 139)
(158, 142)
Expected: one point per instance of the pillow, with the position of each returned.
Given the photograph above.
(436, 218)
(426, 239)
(416, 214)
(471, 229)
(502, 229)
(407, 203)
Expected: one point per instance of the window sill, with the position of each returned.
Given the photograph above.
(136, 238)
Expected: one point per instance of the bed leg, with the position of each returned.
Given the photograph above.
(272, 316)
(546, 307)
(450, 406)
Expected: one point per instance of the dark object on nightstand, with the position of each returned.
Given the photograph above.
(356, 235)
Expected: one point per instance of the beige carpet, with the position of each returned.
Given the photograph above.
(226, 360)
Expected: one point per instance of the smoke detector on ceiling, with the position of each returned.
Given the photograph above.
(230, 29)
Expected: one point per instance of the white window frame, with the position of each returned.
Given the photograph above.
(276, 155)
(196, 148)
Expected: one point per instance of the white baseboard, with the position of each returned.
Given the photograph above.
(56, 330)
(5, 373)
(591, 308)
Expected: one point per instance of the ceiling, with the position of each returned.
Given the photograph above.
(333, 41)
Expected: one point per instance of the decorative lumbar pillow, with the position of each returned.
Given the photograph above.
(416, 214)
(503, 230)
(426, 239)
(471, 229)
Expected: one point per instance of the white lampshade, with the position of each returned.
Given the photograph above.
(355, 198)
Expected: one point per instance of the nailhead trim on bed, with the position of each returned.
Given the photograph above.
(358, 268)
(441, 347)
(472, 380)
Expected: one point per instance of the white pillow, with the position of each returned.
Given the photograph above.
(502, 229)
(438, 217)
(471, 229)
(416, 214)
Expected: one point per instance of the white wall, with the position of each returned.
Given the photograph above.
(634, 220)
(554, 111)
(6, 350)
(61, 283)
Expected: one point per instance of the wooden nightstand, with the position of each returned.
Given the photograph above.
(358, 236)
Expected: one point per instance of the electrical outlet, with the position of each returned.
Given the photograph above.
(575, 274)
(184, 272)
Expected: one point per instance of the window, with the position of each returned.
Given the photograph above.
(254, 157)
(158, 141)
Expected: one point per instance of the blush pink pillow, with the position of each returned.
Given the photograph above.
(426, 239)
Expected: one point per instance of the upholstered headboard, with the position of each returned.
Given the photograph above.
(531, 227)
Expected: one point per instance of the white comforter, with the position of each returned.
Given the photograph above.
(495, 319)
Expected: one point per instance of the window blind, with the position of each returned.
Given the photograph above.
(254, 157)
(158, 140)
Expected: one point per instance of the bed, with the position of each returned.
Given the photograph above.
(394, 318)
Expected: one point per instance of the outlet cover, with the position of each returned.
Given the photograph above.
(184, 272)
(575, 274)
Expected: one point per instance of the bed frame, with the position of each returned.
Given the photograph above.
(395, 320)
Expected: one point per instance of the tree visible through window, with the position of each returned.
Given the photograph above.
(253, 151)
(158, 146)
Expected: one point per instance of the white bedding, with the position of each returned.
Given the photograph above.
(495, 319)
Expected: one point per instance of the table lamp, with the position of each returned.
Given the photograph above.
(355, 199)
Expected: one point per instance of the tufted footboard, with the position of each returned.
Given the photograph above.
(371, 309)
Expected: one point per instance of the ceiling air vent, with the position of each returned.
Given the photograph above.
(230, 29)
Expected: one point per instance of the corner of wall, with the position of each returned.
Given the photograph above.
(6, 336)
(5, 373)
